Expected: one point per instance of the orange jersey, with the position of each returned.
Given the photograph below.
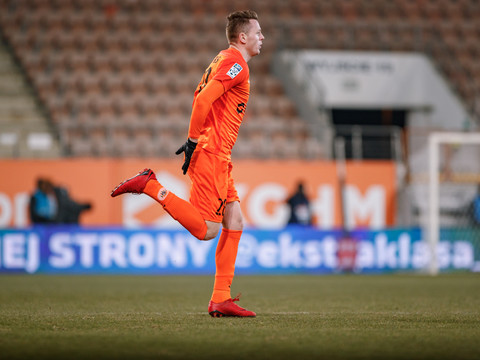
(221, 126)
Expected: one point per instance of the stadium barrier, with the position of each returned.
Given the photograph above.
(263, 188)
(293, 249)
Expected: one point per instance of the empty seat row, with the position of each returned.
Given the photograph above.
(133, 62)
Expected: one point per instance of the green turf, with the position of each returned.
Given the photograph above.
(299, 317)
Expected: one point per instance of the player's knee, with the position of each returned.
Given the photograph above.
(238, 224)
(234, 223)
(212, 230)
(210, 235)
(233, 218)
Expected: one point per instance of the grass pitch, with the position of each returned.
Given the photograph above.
(298, 317)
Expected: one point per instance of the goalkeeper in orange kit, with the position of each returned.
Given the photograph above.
(219, 105)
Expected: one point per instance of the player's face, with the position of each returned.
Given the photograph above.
(254, 38)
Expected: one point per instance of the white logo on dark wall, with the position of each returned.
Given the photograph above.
(234, 70)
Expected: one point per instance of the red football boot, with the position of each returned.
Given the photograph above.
(134, 185)
(229, 308)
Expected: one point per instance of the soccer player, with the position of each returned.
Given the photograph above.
(219, 105)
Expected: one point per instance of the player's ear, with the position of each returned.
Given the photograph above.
(242, 37)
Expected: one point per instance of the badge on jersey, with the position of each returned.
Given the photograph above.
(234, 70)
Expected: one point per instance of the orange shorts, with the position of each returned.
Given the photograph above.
(212, 184)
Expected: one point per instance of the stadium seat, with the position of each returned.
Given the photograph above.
(138, 62)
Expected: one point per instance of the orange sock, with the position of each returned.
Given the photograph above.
(181, 210)
(225, 257)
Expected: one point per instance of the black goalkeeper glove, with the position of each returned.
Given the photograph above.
(188, 148)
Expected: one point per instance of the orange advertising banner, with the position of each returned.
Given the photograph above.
(263, 187)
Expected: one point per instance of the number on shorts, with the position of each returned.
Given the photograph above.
(221, 208)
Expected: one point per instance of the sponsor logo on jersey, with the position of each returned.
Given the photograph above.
(234, 70)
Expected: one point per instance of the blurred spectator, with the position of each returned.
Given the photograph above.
(69, 210)
(43, 207)
(52, 204)
(300, 212)
(474, 208)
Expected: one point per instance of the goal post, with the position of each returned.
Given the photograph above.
(453, 187)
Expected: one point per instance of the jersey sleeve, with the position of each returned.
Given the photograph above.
(231, 72)
(201, 107)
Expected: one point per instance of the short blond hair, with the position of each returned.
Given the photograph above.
(238, 22)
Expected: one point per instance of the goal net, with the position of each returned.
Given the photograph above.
(453, 223)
